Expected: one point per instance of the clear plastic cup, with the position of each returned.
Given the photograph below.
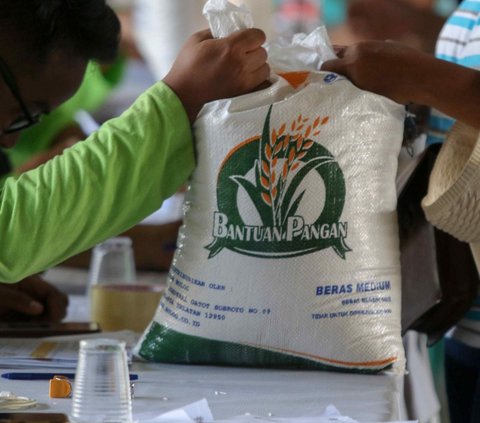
(102, 386)
(113, 262)
(117, 300)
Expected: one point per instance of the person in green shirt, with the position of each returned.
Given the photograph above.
(100, 187)
(60, 129)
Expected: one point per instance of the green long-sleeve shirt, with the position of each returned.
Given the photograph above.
(97, 188)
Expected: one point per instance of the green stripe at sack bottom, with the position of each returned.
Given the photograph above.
(165, 345)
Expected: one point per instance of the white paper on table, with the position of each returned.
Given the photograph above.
(57, 351)
(329, 415)
(173, 416)
(23, 352)
(200, 412)
(196, 412)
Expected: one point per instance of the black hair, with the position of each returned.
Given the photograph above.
(86, 28)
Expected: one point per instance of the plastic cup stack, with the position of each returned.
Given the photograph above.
(102, 386)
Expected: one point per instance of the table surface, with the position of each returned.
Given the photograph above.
(235, 391)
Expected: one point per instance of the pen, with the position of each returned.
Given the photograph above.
(44, 376)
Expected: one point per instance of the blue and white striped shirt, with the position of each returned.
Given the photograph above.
(459, 42)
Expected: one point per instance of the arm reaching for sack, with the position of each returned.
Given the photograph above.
(208, 69)
(406, 75)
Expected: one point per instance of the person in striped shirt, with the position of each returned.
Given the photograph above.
(459, 42)
(450, 84)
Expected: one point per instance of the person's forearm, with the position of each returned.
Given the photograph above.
(449, 88)
(96, 189)
(407, 75)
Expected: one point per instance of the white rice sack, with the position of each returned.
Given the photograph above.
(288, 256)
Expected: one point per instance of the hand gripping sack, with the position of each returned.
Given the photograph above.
(288, 256)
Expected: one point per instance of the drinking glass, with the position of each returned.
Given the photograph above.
(102, 387)
(117, 300)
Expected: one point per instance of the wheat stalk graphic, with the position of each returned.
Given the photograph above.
(291, 149)
(280, 168)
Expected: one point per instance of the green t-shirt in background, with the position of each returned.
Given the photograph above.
(94, 90)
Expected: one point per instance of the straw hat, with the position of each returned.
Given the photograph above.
(452, 202)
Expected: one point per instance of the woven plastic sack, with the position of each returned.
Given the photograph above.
(288, 256)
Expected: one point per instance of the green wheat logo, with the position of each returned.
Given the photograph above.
(270, 170)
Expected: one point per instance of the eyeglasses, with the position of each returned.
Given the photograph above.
(28, 119)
